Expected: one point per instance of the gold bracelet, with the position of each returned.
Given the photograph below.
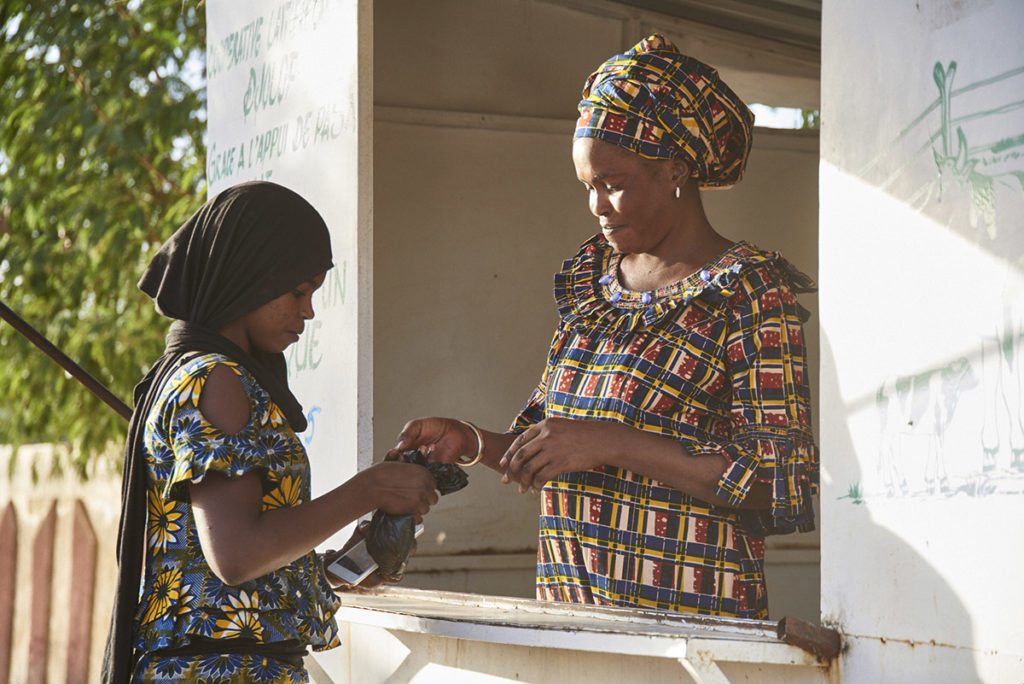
(466, 461)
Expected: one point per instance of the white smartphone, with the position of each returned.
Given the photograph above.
(357, 564)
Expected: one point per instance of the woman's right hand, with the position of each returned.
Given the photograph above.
(400, 488)
(442, 440)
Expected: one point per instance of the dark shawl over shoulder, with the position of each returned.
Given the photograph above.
(247, 246)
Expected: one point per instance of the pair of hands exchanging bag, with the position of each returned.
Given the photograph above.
(390, 539)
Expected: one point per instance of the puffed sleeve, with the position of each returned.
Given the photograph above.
(198, 446)
(534, 410)
(771, 439)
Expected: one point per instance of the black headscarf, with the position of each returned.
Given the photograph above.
(247, 246)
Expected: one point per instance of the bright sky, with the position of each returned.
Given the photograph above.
(776, 117)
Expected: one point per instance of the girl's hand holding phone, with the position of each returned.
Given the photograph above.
(331, 557)
(352, 567)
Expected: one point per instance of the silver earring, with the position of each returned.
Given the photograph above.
(677, 192)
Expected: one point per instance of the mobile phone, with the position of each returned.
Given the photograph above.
(356, 564)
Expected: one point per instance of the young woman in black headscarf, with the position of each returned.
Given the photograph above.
(218, 526)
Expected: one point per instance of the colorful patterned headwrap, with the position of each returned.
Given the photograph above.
(664, 105)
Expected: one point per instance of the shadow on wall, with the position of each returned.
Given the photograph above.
(917, 414)
(873, 579)
(946, 235)
(960, 160)
(922, 361)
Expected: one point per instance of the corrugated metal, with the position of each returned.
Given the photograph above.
(794, 22)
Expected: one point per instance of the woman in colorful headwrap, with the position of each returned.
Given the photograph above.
(671, 428)
(218, 524)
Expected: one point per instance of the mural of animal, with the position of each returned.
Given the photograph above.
(1003, 384)
(922, 406)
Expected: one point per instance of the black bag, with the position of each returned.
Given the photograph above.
(391, 538)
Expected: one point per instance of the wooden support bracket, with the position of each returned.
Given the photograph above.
(823, 642)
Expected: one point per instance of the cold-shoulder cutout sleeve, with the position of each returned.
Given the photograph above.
(771, 441)
(199, 446)
(223, 402)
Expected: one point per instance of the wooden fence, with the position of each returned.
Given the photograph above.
(57, 567)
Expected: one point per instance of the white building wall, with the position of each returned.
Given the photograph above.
(290, 101)
(923, 337)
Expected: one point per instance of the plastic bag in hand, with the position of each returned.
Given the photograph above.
(449, 477)
(391, 538)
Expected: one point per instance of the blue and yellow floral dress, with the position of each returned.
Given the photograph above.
(182, 601)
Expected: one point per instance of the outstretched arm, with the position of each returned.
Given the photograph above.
(558, 445)
(446, 439)
(242, 542)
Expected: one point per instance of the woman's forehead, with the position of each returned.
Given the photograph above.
(597, 159)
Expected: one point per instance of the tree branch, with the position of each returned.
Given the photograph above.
(102, 116)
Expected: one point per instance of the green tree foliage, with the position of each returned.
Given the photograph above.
(810, 118)
(102, 104)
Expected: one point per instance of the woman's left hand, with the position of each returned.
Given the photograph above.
(372, 580)
(560, 445)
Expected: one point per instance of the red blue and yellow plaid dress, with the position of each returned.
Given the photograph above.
(715, 361)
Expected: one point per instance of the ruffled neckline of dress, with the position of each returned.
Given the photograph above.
(590, 297)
